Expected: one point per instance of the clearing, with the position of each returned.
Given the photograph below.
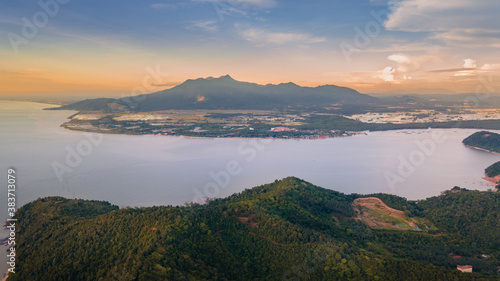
(376, 214)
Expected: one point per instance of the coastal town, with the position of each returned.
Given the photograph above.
(428, 116)
(196, 123)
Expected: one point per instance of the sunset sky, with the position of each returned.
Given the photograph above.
(117, 48)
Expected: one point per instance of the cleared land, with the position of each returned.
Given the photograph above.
(376, 214)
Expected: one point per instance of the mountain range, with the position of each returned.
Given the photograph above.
(226, 93)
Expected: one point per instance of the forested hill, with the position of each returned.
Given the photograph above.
(493, 170)
(484, 140)
(286, 230)
(226, 93)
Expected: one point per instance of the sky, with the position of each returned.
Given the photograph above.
(128, 47)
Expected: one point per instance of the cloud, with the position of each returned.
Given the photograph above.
(405, 65)
(210, 26)
(264, 37)
(387, 74)
(457, 20)
(450, 70)
(470, 63)
(159, 6)
(380, 2)
(243, 3)
(470, 68)
(491, 66)
(408, 63)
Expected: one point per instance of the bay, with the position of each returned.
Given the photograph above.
(149, 170)
(152, 170)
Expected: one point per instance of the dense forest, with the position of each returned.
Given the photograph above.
(493, 170)
(286, 230)
(484, 140)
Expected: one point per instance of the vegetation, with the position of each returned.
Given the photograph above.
(227, 93)
(286, 230)
(258, 125)
(493, 170)
(484, 140)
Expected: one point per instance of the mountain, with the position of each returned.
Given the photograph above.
(286, 230)
(226, 93)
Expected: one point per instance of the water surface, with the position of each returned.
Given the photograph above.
(159, 170)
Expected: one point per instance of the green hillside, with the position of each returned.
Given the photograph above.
(484, 140)
(286, 230)
(493, 170)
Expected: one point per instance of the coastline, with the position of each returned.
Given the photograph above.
(482, 149)
(493, 180)
(490, 179)
(312, 137)
(49, 103)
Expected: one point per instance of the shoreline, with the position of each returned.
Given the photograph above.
(348, 134)
(482, 149)
(490, 179)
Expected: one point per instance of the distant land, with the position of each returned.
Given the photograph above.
(489, 142)
(493, 173)
(286, 230)
(484, 140)
(228, 94)
(223, 108)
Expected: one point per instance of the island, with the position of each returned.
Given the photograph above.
(484, 140)
(286, 230)
(226, 108)
(489, 142)
(493, 174)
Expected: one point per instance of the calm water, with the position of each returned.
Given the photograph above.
(159, 170)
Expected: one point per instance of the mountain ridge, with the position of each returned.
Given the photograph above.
(286, 230)
(227, 93)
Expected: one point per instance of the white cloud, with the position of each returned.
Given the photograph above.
(387, 74)
(488, 66)
(260, 36)
(470, 68)
(405, 65)
(405, 62)
(408, 63)
(470, 63)
(456, 20)
(210, 25)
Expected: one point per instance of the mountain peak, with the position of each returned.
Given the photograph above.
(289, 84)
(227, 77)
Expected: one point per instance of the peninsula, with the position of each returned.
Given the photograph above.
(223, 108)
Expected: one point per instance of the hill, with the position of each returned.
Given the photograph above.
(493, 170)
(226, 93)
(286, 230)
(484, 141)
